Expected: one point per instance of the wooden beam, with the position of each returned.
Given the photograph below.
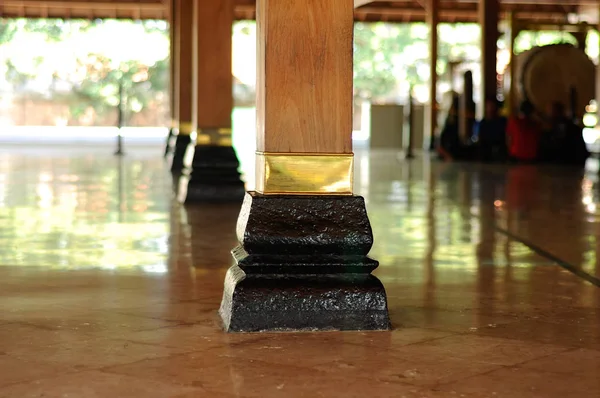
(432, 23)
(360, 3)
(547, 12)
(173, 67)
(598, 76)
(488, 20)
(184, 51)
(212, 64)
(122, 5)
(395, 3)
(510, 37)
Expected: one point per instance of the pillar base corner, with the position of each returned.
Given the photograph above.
(280, 303)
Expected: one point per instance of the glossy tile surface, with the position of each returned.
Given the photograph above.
(110, 288)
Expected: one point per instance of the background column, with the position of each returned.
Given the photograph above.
(488, 20)
(172, 77)
(432, 9)
(183, 81)
(511, 37)
(598, 76)
(214, 175)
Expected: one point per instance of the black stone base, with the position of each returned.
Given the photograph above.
(259, 303)
(215, 176)
(305, 225)
(302, 265)
(168, 142)
(215, 192)
(181, 145)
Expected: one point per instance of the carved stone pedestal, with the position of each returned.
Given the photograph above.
(215, 176)
(168, 142)
(181, 146)
(302, 265)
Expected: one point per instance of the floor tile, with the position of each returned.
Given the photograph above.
(564, 334)
(94, 384)
(16, 337)
(581, 362)
(489, 350)
(95, 353)
(99, 322)
(13, 370)
(526, 383)
(187, 337)
(253, 378)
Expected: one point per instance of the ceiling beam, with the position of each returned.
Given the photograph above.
(534, 11)
(360, 3)
(121, 5)
(396, 3)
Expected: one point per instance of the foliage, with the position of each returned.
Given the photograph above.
(528, 39)
(7, 30)
(101, 88)
(388, 54)
(82, 55)
(373, 61)
(94, 58)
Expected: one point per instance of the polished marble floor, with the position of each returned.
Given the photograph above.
(108, 288)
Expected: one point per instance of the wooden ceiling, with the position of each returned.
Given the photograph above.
(553, 12)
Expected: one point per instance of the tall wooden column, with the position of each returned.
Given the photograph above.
(598, 76)
(466, 113)
(513, 31)
(183, 80)
(172, 76)
(214, 175)
(304, 237)
(488, 20)
(432, 9)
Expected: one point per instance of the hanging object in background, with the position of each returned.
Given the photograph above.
(466, 118)
(409, 126)
(552, 73)
(121, 117)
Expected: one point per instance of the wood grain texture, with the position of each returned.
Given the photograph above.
(184, 50)
(173, 91)
(304, 73)
(488, 19)
(213, 75)
(433, 18)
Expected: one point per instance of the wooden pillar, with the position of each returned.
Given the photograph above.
(598, 77)
(214, 175)
(488, 20)
(432, 9)
(212, 67)
(183, 80)
(303, 232)
(172, 76)
(173, 89)
(513, 31)
(466, 113)
(409, 126)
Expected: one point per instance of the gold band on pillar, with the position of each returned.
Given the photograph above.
(185, 128)
(213, 136)
(304, 173)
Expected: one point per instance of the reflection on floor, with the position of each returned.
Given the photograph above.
(108, 288)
